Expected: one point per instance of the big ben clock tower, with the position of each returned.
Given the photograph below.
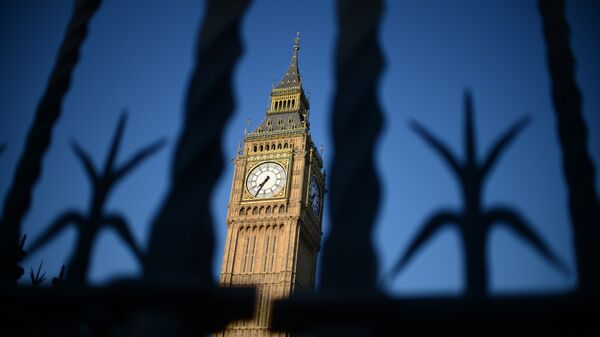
(276, 205)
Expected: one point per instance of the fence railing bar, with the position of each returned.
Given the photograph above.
(349, 259)
(584, 205)
(212, 308)
(439, 316)
(39, 137)
(181, 243)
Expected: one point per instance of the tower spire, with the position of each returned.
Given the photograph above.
(288, 107)
(291, 78)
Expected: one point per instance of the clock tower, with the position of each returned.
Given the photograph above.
(275, 208)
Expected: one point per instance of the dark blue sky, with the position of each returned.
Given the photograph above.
(138, 57)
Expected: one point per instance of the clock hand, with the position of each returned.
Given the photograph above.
(261, 185)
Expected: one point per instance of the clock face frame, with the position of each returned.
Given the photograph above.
(266, 179)
(314, 196)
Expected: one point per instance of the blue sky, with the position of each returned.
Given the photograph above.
(138, 57)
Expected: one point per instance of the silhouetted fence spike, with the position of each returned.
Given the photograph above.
(138, 158)
(67, 218)
(502, 144)
(115, 144)
(470, 138)
(473, 222)
(444, 151)
(85, 161)
(578, 167)
(89, 225)
(433, 225)
(519, 226)
(38, 139)
(118, 223)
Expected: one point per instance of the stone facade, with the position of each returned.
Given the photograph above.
(276, 204)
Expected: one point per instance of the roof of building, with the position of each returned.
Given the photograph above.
(289, 119)
(291, 78)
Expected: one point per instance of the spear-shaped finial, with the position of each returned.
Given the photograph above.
(248, 123)
(297, 41)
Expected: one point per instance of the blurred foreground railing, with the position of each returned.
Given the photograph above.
(544, 315)
(29, 311)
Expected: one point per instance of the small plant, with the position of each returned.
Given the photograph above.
(474, 222)
(37, 278)
(88, 225)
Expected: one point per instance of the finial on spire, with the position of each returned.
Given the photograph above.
(248, 122)
(297, 41)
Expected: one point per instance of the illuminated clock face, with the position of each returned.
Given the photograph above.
(266, 179)
(314, 196)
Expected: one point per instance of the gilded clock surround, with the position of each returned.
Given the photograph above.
(256, 161)
(272, 243)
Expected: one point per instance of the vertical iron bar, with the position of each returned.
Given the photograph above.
(39, 137)
(349, 260)
(181, 243)
(572, 132)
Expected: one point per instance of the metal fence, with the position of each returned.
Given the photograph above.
(176, 295)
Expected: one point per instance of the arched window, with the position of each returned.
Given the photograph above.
(285, 146)
(255, 210)
(261, 210)
(268, 210)
(273, 146)
(242, 211)
(261, 148)
(293, 103)
(279, 146)
(281, 209)
(254, 148)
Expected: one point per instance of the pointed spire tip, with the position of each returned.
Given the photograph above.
(297, 41)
